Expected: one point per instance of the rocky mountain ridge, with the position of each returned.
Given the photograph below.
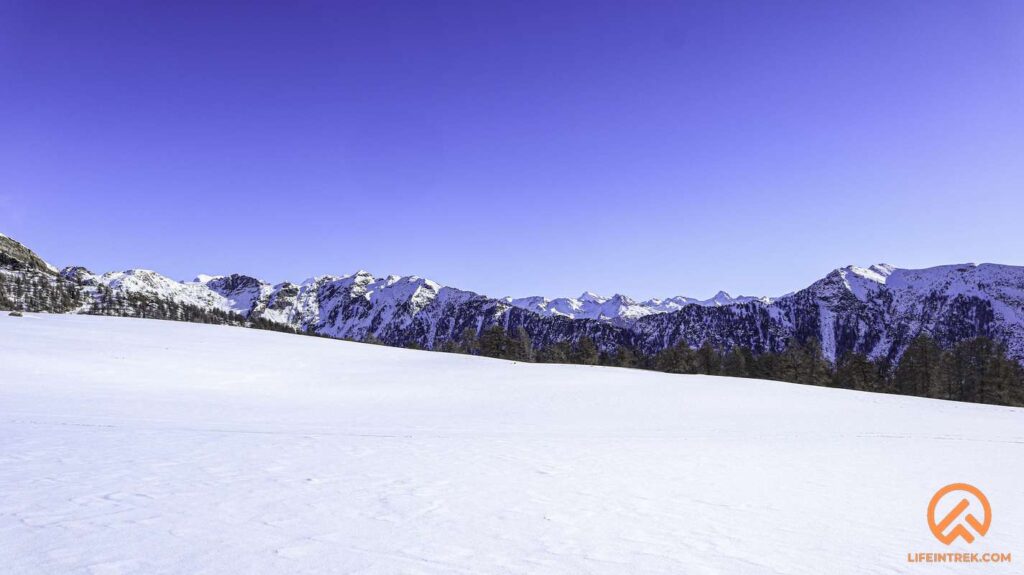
(875, 310)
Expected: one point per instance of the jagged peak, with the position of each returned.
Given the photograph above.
(205, 278)
(877, 273)
(78, 274)
(360, 278)
(138, 271)
(76, 269)
(721, 297)
(234, 282)
(882, 269)
(320, 279)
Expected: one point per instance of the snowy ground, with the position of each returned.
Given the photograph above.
(132, 446)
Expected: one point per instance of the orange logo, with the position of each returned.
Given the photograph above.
(953, 517)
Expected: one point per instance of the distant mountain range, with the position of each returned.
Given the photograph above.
(619, 309)
(875, 310)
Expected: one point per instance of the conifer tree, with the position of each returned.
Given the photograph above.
(625, 357)
(676, 359)
(559, 352)
(735, 362)
(918, 369)
(586, 352)
(855, 371)
(707, 359)
(816, 369)
(468, 343)
(523, 345)
(493, 342)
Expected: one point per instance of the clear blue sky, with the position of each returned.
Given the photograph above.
(648, 148)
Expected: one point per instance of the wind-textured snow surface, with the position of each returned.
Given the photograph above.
(140, 446)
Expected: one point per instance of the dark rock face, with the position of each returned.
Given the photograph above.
(234, 283)
(283, 297)
(16, 257)
(78, 275)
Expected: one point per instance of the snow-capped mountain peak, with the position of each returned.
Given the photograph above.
(721, 298)
(619, 309)
(874, 310)
(204, 278)
(862, 282)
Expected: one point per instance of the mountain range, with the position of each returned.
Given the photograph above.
(875, 310)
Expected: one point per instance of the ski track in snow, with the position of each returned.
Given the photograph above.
(136, 446)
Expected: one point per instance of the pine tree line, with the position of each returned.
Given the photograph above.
(36, 291)
(976, 370)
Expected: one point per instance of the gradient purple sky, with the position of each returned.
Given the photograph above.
(648, 148)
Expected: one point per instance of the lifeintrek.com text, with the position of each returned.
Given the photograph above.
(959, 557)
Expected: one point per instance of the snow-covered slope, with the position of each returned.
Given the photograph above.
(140, 446)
